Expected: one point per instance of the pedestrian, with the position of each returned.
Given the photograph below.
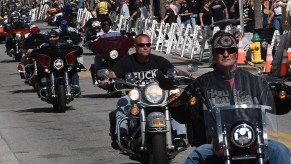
(184, 14)
(277, 7)
(268, 14)
(194, 9)
(288, 14)
(170, 16)
(219, 10)
(205, 15)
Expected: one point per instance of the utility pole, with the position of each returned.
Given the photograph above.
(258, 14)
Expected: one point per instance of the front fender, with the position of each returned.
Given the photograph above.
(156, 122)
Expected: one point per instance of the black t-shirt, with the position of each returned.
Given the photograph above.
(185, 10)
(193, 6)
(172, 18)
(33, 41)
(207, 17)
(248, 13)
(217, 9)
(141, 71)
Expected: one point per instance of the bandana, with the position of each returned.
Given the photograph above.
(225, 41)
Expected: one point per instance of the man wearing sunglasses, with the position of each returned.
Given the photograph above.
(225, 85)
(144, 65)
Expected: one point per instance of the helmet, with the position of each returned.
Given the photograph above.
(34, 30)
(64, 25)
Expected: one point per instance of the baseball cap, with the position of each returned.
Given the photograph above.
(225, 40)
(34, 30)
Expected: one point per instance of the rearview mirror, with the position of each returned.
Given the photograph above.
(192, 68)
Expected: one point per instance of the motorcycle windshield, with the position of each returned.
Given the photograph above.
(240, 125)
(104, 45)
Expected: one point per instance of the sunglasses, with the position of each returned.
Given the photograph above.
(144, 44)
(222, 50)
(106, 24)
(53, 36)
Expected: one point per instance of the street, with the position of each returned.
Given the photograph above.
(32, 133)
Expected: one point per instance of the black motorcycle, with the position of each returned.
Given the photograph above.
(54, 69)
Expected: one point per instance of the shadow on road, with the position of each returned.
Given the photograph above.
(23, 91)
(42, 110)
(8, 61)
(97, 96)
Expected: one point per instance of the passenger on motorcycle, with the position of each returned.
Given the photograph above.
(144, 66)
(225, 85)
(34, 40)
(54, 40)
(65, 30)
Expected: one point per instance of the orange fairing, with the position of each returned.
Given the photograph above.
(1, 29)
(71, 57)
(52, 10)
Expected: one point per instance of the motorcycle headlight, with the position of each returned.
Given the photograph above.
(18, 37)
(153, 93)
(113, 54)
(133, 95)
(58, 64)
(242, 135)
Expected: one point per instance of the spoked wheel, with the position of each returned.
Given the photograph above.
(60, 105)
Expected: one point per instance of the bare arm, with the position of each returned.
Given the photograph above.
(201, 20)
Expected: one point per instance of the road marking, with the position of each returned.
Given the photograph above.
(84, 74)
(282, 137)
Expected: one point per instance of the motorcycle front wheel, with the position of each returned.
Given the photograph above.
(157, 150)
(60, 104)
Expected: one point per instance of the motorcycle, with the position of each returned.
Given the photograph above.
(111, 48)
(28, 72)
(3, 29)
(71, 37)
(54, 69)
(151, 137)
(18, 35)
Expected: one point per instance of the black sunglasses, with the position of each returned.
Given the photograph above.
(106, 24)
(53, 36)
(144, 44)
(229, 50)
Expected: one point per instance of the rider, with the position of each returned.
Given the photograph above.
(15, 24)
(225, 85)
(34, 40)
(105, 32)
(54, 40)
(144, 65)
(66, 30)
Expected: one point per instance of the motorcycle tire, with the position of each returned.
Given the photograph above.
(60, 104)
(157, 151)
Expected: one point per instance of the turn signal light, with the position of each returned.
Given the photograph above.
(46, 70)
(192, 101)
(282, 95)
(158, 122)
(134, 111)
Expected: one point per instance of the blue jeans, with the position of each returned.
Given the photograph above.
(278, 22)
(193, 20)
(275, 153)
(121, 109)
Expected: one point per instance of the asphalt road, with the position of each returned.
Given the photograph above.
(31, 133)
